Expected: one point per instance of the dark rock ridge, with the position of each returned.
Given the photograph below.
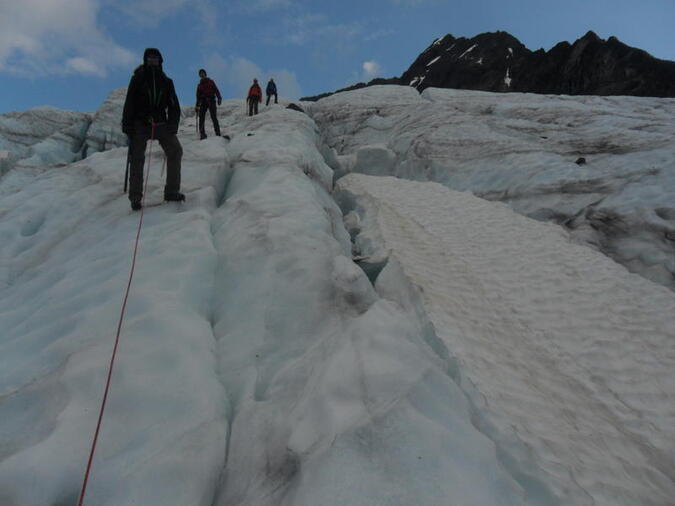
(499, 62)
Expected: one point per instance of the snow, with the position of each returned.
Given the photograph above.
(105, 131)
(252, 342)
(468, 51)
(291, 342)
(417, 81)
(433, 61)
(43, 136)
(540, 325)
(520, 149)
(507, 77)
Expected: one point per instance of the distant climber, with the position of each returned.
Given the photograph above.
(271, 90)
(254, 98)
(151, 110)
(207, 94)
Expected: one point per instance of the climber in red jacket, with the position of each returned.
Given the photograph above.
(254, 98)
(207, 94)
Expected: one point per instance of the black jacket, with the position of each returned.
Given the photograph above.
(150, 97)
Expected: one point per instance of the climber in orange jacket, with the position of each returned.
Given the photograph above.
(254, 98)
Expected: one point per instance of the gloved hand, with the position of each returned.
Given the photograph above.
(220, 101)
(173, 129)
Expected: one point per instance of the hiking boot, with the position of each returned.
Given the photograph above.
(136, 205)
(174, 197)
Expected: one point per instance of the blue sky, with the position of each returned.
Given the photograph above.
(72, 53)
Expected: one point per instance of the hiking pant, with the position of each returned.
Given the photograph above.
(172, 149)
(252, 106)
(270, 96)
(209, 104)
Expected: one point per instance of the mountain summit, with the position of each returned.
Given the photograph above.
(497, 61)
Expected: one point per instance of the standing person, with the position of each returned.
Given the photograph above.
(254, 98)
(207, 93)
(152, 111)
(271, 90)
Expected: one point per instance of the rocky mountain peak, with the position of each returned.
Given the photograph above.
(498, 61)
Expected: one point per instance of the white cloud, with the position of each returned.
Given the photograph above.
(371, 69)
(83, 66)
(378, 34)
(412, 3)
(44, 37)
(151, 13)
(312, 27)
(263, 5)
(239, 72)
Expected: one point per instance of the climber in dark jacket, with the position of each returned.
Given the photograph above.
(207, 94)
(271, 90)
(152, 111)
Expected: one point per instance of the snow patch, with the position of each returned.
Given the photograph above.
(433, 61)
(533, 338)
(468, 51)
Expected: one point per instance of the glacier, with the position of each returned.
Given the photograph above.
(521, 149)
(308, 330)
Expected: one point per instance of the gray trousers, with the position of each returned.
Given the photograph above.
(172, 149)
(252, 106)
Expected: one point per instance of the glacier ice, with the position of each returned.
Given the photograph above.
(520, 149)
(409, 348)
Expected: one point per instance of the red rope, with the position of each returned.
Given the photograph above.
(119, 328)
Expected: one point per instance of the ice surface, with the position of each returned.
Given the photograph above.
(64, 258)
(568, 357)
(257, 363)
(105, 131)
(44, 135)
(520, 149)
(468, 356)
